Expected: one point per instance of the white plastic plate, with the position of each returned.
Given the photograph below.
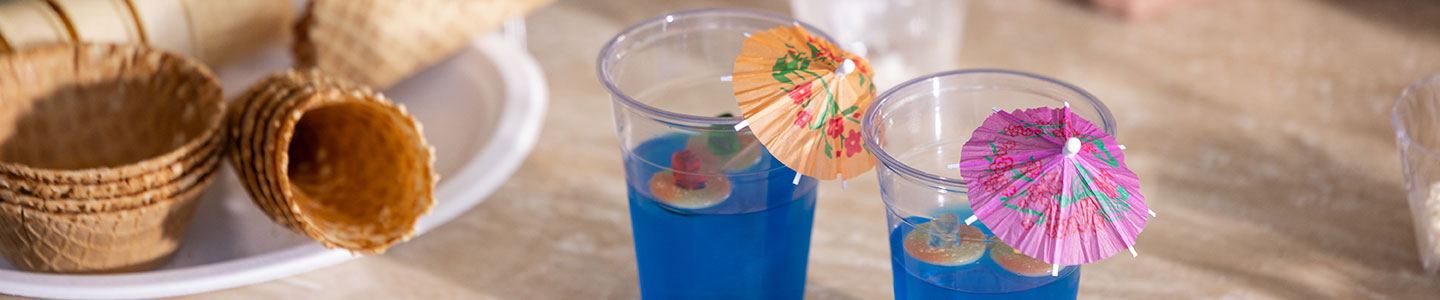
(482, 110)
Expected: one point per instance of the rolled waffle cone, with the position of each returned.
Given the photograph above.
(244, 116)
(18, 187)
(223, 30)
(116, 241)
(379, 42)
(30, 23)
(102, 113)
(201, 174)
(259, 129)
(332, 160)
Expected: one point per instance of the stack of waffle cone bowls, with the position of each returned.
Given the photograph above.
(104, 150)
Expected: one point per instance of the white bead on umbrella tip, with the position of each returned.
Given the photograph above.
(952, 166)
(1133, 253)
(796, 181)
(741, 125)
(1054, 270)
(971, 220)
(846, 67)
(1072, 146)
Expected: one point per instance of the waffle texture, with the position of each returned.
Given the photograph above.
(118, 241)
(379, 42)
(104, 150)
(332, 160)
(127, 186)
(102, 113)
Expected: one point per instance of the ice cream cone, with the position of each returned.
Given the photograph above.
(252, 129)
(379, 43)
(332, 160)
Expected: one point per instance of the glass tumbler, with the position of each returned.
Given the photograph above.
(916, 131)
(1416, 117)
(714, 215)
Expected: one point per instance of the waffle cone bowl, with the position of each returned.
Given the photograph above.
(106, 115)
(118, 201)
(135, 239)
(103, 152)
(198, 159)
(331, 160)
(380, 42)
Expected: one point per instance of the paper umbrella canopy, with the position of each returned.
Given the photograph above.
(1053, 186)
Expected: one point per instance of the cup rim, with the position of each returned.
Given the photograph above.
(1401, 131)
(602, 62)
(949, 184)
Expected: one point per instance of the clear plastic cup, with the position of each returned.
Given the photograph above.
(916, 131)
(714, 215)
(1416, 117)
(902, 38)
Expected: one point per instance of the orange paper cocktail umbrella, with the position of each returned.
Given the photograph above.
(804, 97)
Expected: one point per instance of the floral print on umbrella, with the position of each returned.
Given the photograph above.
(818, 91)
(1053, 185)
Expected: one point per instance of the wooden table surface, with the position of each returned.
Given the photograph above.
(1260, 129)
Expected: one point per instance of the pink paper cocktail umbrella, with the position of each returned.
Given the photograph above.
(1053, 186)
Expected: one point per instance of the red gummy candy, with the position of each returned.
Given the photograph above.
(687, 169)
